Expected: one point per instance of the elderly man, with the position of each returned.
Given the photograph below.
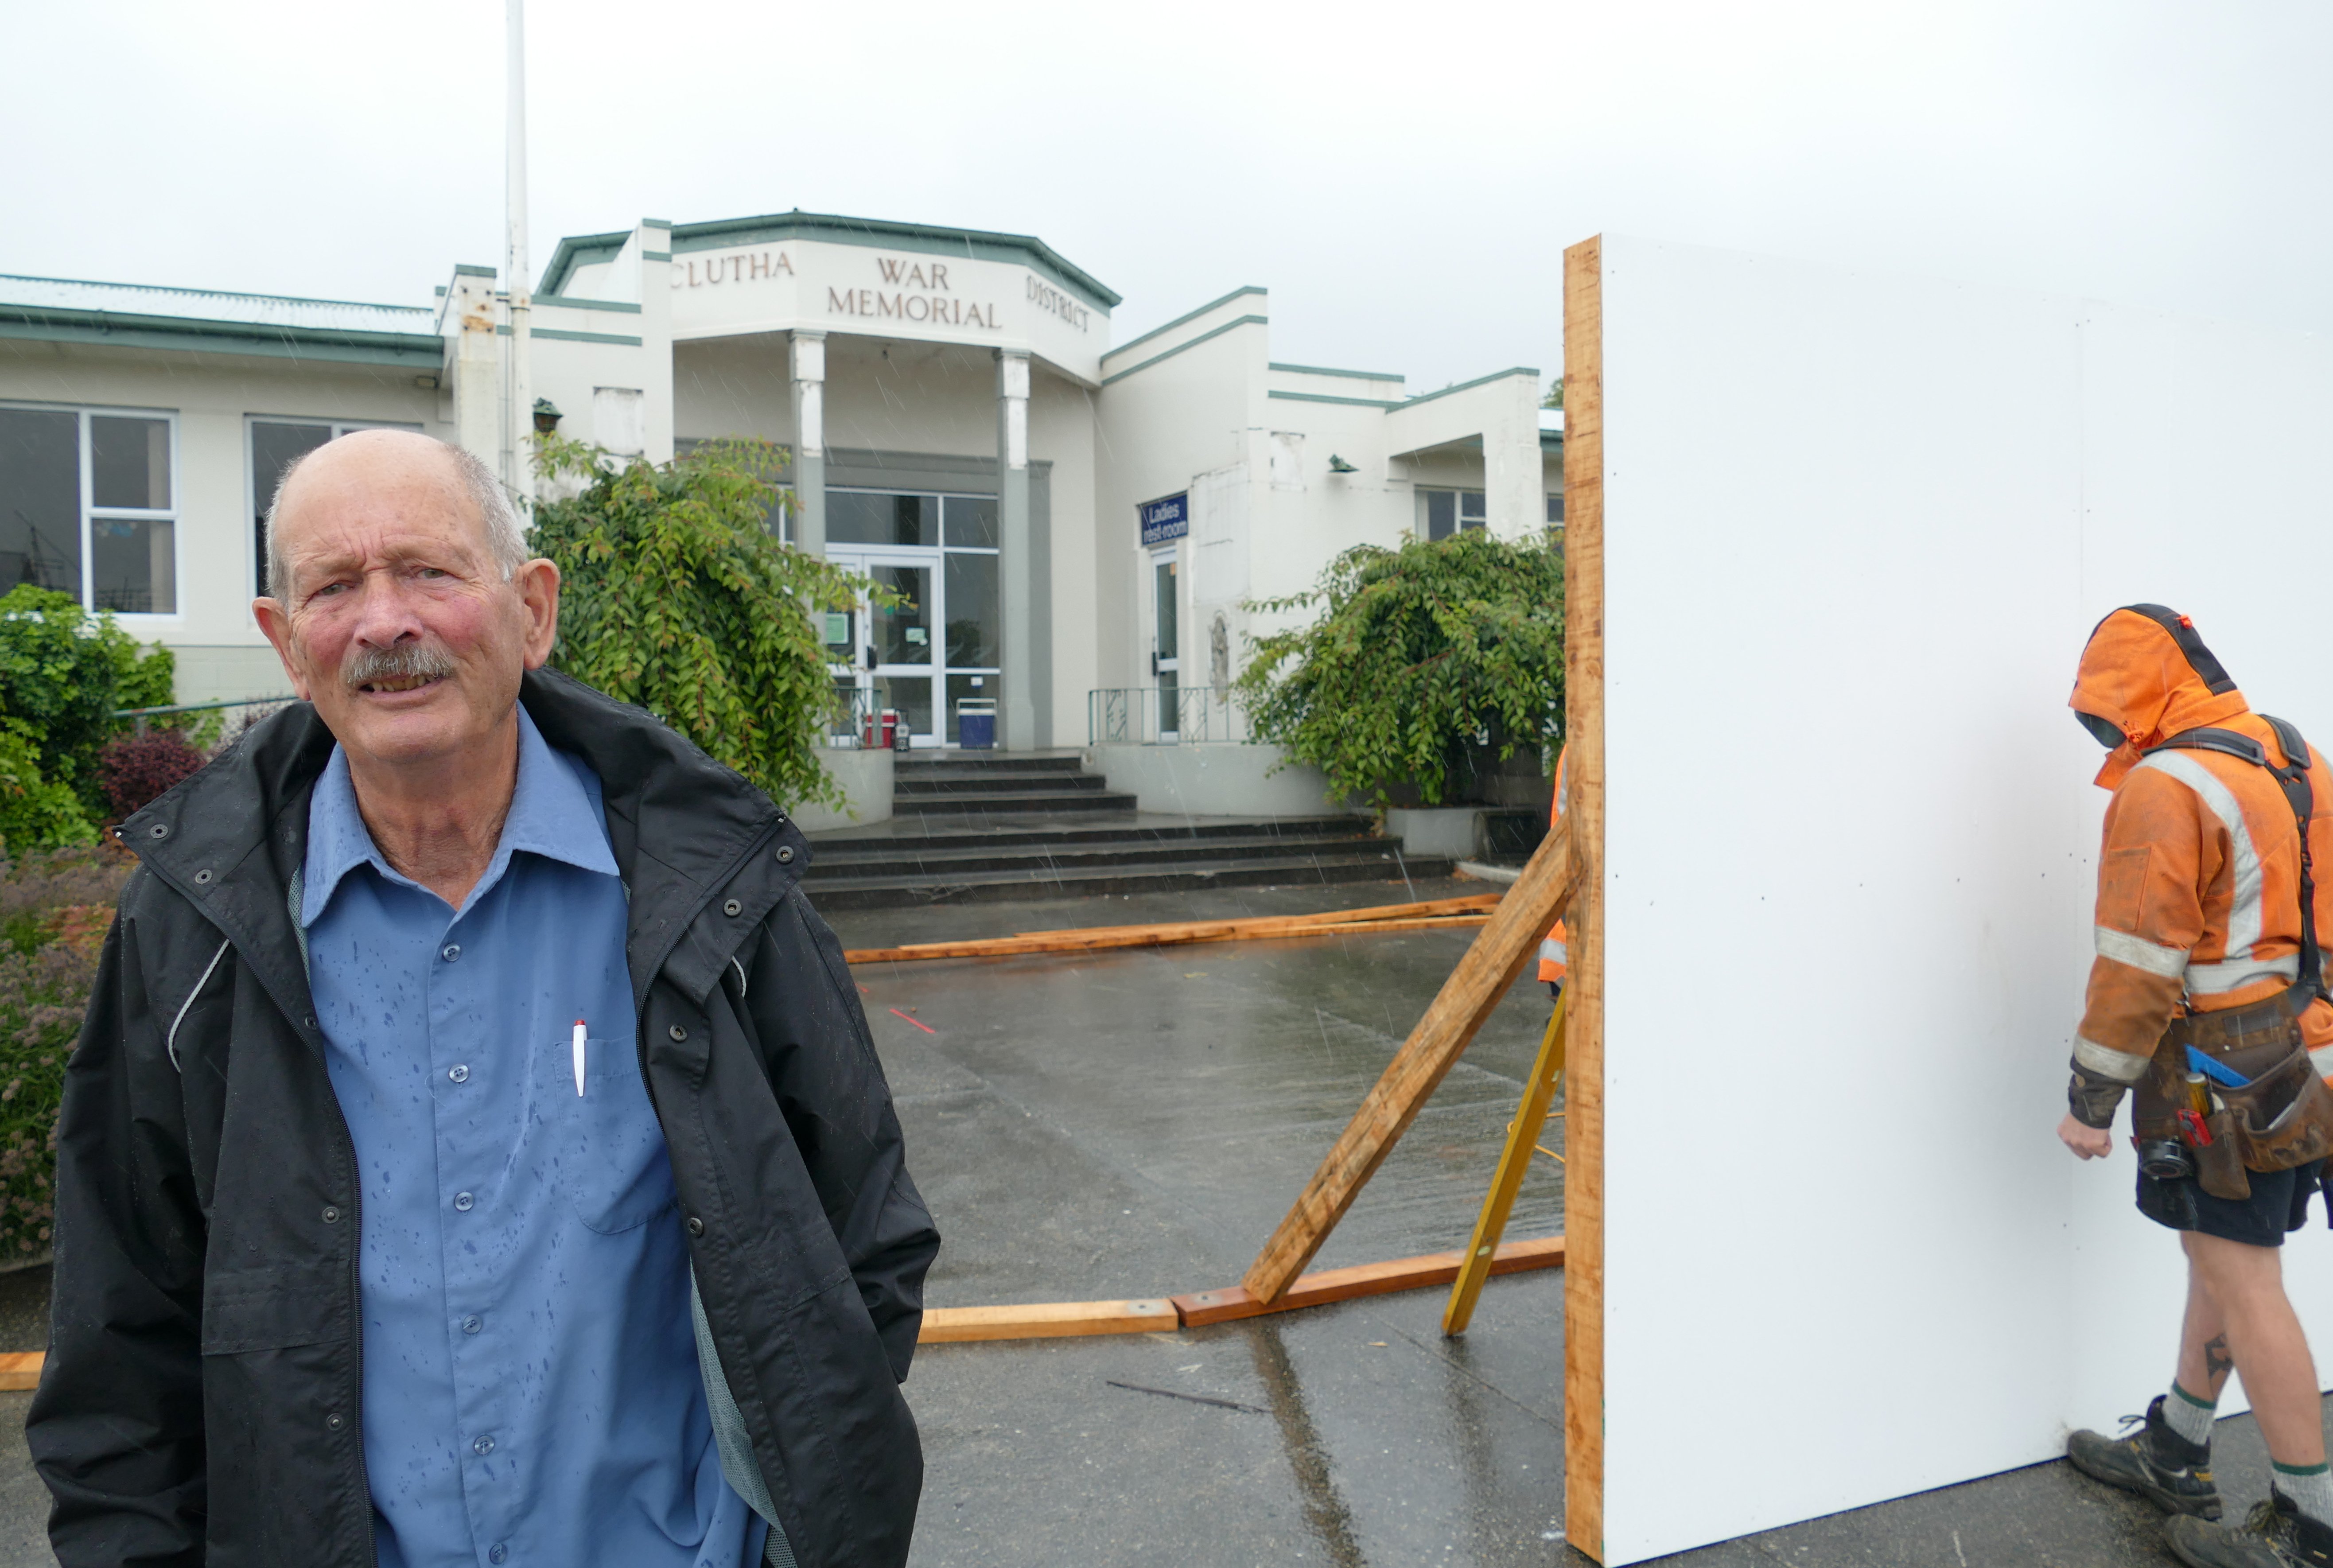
(476, 1152)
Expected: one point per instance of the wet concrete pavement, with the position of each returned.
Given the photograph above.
(1132, 1125)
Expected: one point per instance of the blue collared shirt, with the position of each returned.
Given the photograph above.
(531, 1393)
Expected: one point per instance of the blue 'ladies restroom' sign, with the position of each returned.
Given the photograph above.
(1168, 517)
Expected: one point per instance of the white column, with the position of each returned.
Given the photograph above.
(1514, 496)
(1017, 715)
(809, 442)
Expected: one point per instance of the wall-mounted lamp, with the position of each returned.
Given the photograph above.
(1338, 465)
(427, 383)
(546, 415)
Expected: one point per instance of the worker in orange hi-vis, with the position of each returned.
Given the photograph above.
(1554, 957)
(2207, 997)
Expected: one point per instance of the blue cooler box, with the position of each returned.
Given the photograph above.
(975, 723)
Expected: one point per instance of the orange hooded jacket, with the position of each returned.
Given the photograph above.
(1554, 954)
(2199, 873)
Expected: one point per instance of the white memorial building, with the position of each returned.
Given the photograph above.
(1075, 522)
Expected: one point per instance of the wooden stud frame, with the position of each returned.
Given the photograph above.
(1584, 650)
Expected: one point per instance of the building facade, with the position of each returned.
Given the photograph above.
(1076, 526)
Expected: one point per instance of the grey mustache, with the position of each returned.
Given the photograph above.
(405, 662)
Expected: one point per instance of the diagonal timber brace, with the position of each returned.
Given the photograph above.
(1481, 978)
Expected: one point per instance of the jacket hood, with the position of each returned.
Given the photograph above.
(2146, 672)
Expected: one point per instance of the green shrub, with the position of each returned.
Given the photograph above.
(62, 672)
(676, 596)
(1419, 652)
(35, 814)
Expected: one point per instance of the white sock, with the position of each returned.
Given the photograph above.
(2311, 1489)
(2188, 1416)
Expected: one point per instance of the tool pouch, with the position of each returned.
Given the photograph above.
(2283, 1118)
(2218, 1166)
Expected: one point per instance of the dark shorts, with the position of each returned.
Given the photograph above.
(2279, 1203)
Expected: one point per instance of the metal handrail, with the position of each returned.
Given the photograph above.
(200, 707)
(1137, 715)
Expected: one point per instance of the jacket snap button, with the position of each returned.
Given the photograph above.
(312, 1020)
(202, 879)
(335, 1422)
(331, 1215)
(678, 1032)
(160, 829)
(785, 854)
(695, 1225)
(733, 908)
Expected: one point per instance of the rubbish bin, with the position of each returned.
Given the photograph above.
(975, 723)
(882, 729)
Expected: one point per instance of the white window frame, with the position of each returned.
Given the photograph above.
(1460, 495)
(90, 511)
(250, 507)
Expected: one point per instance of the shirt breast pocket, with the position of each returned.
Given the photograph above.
(610, 1149)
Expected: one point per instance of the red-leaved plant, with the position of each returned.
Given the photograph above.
(134, 770)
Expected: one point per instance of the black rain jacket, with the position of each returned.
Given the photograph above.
(200, 1404)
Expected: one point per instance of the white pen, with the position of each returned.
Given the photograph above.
(578, 1058)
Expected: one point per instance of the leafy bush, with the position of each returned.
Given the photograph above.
(62, 672)
(676, 597)
(1419, 652)
(54, 910)
(35, 814)
(135, 770)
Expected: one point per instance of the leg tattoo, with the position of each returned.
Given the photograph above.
(2217, 1360)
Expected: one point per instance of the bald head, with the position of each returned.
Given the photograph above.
(401, 460)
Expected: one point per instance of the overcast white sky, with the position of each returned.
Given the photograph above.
(1402, 178)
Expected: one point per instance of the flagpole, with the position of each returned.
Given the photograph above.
(517, 281)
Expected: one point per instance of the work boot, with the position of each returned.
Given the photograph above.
(2276, 1534)
(2155, 1462)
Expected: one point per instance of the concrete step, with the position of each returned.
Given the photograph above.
(830, 864)
(990, 761)
(1020, 802)
(894, 892)
(971, 782)
(944, 833)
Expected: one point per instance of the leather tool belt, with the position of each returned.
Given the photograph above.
(2283, 1118)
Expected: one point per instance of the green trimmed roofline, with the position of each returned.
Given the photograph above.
(1465, 386)
(1186, 316)
(50, 323)
(1324, 371)
(977, 245)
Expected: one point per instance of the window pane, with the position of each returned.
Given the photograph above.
(40, 500)
(1441, 513)
(1162, 576)
(960, 687)
(1472, 507)
(915, 520)
(853, 518)
(129, 463)
(903, 635)
(273, 449)
(972, 637)
(1555, 510)
(912, 699)
(972, 520)
(133, 566)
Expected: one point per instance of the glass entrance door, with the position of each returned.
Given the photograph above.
(1166, 661)
(898, 659)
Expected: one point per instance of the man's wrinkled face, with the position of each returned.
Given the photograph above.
(396, 621)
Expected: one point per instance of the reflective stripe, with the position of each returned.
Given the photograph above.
(2141, 954)
(2218, 979)
(2117, 1066)
(170, 1040)
(1551, 951)
(2244, 913)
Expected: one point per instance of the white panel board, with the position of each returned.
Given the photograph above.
(1857, 528)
